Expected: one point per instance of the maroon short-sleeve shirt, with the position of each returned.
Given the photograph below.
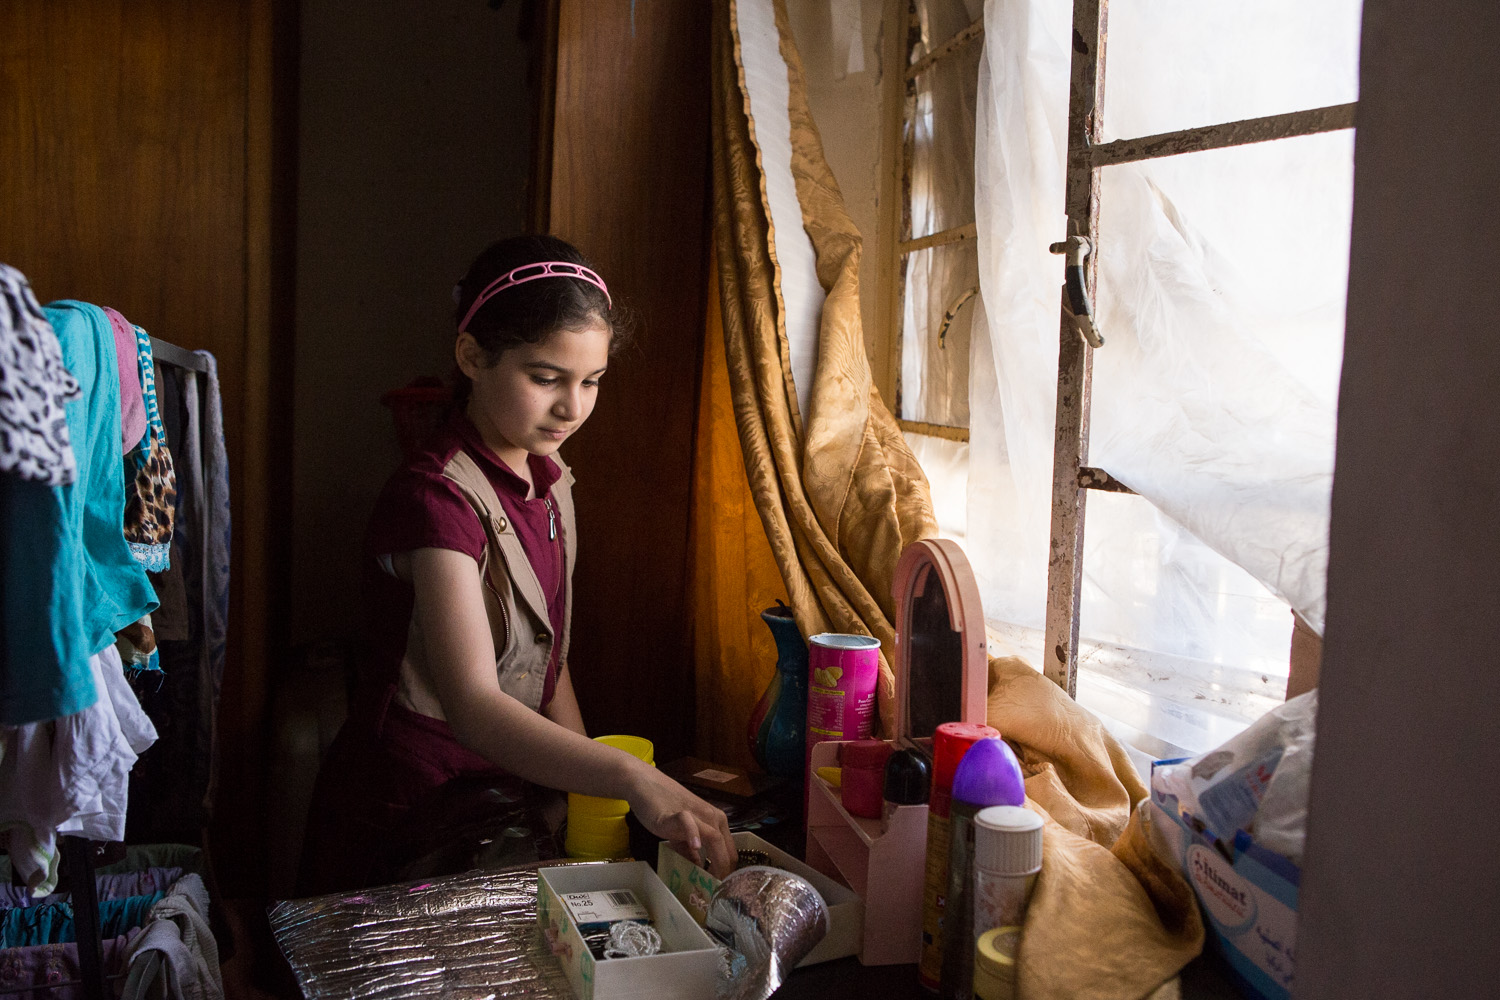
(421, 508)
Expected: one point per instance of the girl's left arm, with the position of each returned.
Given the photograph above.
(563, 708)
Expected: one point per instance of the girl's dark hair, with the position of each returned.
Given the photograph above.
(529, 313)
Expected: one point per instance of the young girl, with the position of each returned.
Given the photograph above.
(479, 524)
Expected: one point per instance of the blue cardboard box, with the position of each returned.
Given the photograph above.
(1248, 894)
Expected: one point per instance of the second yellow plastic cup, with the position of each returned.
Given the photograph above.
(596, 827)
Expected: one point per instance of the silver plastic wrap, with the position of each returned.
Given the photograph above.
(772, 919)
(464, 937)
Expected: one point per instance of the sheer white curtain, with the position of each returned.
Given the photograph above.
(1222, 281)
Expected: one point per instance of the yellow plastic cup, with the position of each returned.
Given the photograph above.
(598, 839)
(596, 826)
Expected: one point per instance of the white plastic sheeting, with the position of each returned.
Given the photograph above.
(940, 281)
(1222, 279)
(946, 464)
(768, 92)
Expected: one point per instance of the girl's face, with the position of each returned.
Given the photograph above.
(535, 395)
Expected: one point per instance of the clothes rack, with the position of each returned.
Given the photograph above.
(174, 355)
(78, 853)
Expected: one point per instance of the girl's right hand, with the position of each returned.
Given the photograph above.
(697, 830)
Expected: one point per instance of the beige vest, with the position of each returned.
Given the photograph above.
(513, 598)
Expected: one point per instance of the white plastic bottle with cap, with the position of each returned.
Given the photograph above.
(1007, 857)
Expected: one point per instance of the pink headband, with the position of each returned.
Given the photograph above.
(543, 269)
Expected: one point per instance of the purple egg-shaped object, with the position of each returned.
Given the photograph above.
(989, 775)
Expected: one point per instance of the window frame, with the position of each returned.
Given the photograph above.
(900, 105)
(1072, 476)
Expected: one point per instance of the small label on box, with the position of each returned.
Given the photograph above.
(717, 777)
(604, 907)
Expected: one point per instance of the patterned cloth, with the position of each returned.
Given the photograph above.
(46, 967)
(34, 387)
(150, 480)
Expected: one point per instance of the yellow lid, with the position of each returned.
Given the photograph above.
(591, 805)
(636, 746)
(995, 963)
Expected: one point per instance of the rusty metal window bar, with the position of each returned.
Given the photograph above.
(1072, 476)
(920, 59)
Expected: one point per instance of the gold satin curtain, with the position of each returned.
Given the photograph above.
(734, 576)
(838, 493)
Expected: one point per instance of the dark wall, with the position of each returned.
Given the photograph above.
(414, 151)
(1400, 882)
(629, 174)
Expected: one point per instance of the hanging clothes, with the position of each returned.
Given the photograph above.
(154, 925)
(137, 645)
(216, 570)
(119, 885)
(175, 955)
(150, 480)
(52, 923)
(171, 789)
(133, 415)
(45, 967)
(35, 387)
(86, 512)
(69, 580)
(170, 620)
(70, 775)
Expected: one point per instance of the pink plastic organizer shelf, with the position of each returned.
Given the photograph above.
(935, 592)
(849, 848)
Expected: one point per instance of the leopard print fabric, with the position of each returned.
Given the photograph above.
(35, 389)
(150, 478)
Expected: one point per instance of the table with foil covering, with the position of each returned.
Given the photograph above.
(475, 937)
(465, 937)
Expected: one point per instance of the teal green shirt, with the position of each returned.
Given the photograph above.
(68, 581)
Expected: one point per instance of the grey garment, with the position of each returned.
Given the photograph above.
(216, 564)
(175, 956)
(216, 571)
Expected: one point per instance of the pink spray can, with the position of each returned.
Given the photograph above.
(842, 671)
